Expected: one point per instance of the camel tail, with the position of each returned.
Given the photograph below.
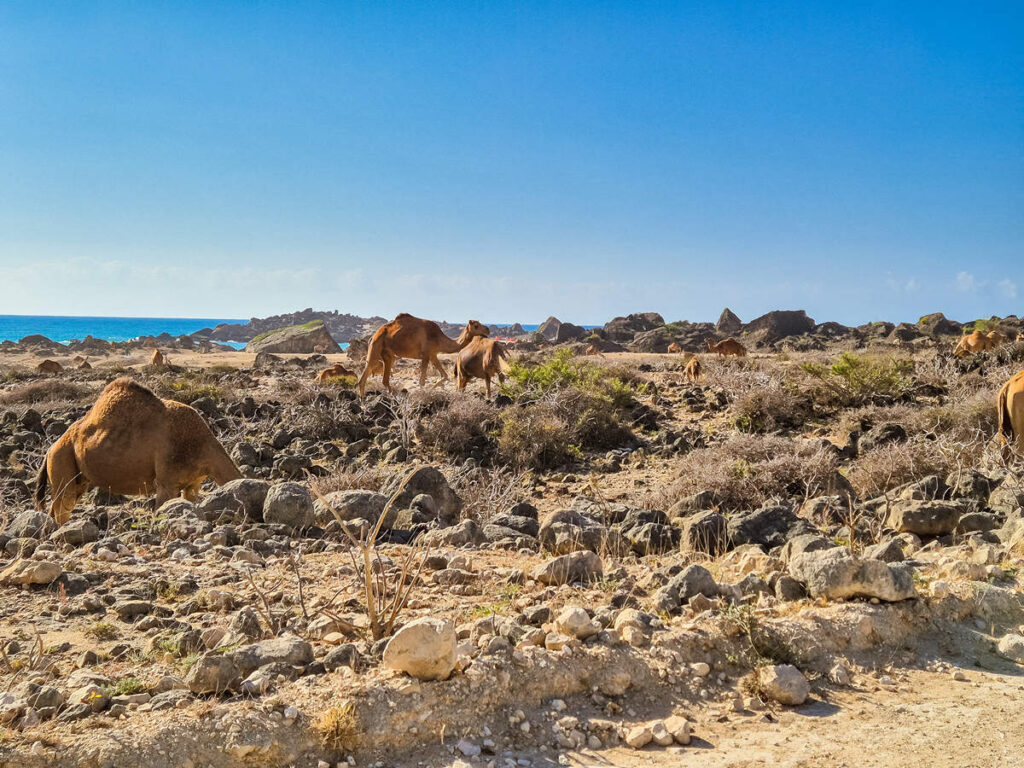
(1003, 408)
(42, 478)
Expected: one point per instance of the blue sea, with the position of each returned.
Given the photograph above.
(64, 329)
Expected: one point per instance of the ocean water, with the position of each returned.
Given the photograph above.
(64, 329)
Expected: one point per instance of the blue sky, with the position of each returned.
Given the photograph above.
(508, 161)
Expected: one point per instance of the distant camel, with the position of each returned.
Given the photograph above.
(416, 339)
(320, 349)
(77, 360)
(727, 347)
(84, 366)
(204, 347)
(132, 443)
(157, 360)
(593, 349)
(1010, 410)
(997, 338)
(674, 349)
(692, 370)
(480, 359)
(49, 366)
(336, 371)
(973, 342)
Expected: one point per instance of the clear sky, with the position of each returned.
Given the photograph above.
(508, 161)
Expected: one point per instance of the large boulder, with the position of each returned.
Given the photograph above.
(623, 329)
(403, 489)
(549, 328)
(936, 324)
(243, 496)
(925, 518)
(706, 532)
(289, 504)
(568, 530)
(349, 505)
(835, 574)
(423, 648)
(30, 525)
(649, 532)
(23, 571)
(692, 580)
(583, 566)
(768, 526)
(297, 339)
(287, 650)
(785, 684)
(212, 673)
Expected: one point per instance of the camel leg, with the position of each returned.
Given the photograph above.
(440, 368)
(487, 384)
(423, 371)
(191, 492)
(386, 377)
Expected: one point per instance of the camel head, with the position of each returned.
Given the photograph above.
(473, 329)
(708, 342)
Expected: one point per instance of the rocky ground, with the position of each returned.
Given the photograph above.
(804, 559)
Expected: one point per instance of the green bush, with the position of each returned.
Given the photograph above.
(853, 380)
(536, 436)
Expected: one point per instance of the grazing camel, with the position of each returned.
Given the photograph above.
(320, 349)
(157, 360)
(727, 347)
(593, 349)
(84, 366)
(336, 371)
(132, 443)
(975, 341)
(674, 349)
(417, 339)
(49, 366)
(692, 370)
(480, 359)
(997, 338)
(1010, 409)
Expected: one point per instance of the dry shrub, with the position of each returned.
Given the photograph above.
(745, 471)
(882, 469)
(350, 479)
(46, 391)
(771, 406)
(536, 436)
(487, 492)
(462, 426)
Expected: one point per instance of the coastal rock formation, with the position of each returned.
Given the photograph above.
(298, 339)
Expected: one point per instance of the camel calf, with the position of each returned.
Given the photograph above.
(674, 349)
(336, 371)
(692, 370)
(132, 443)
(157, 360)
(481, 359)
(1010, 410)
(727, 347)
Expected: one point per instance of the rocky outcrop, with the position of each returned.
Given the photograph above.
(728, 323)
(297, 339)
(624, 329)
(780, 324)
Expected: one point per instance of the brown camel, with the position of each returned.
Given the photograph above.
(336, 371)
(727, 347)
(674, 349)
(692, 370)
(593, 349)
(416, 339)
(998, 338)
(157, 360)
(132, 443)
(1010, 410)
(84, 366)
(480, 359)
(975, 341)
(49, 366)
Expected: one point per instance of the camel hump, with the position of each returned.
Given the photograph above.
(402, 316)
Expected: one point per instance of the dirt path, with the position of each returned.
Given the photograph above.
(929, 720)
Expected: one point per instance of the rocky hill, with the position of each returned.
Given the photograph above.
(297, 339)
